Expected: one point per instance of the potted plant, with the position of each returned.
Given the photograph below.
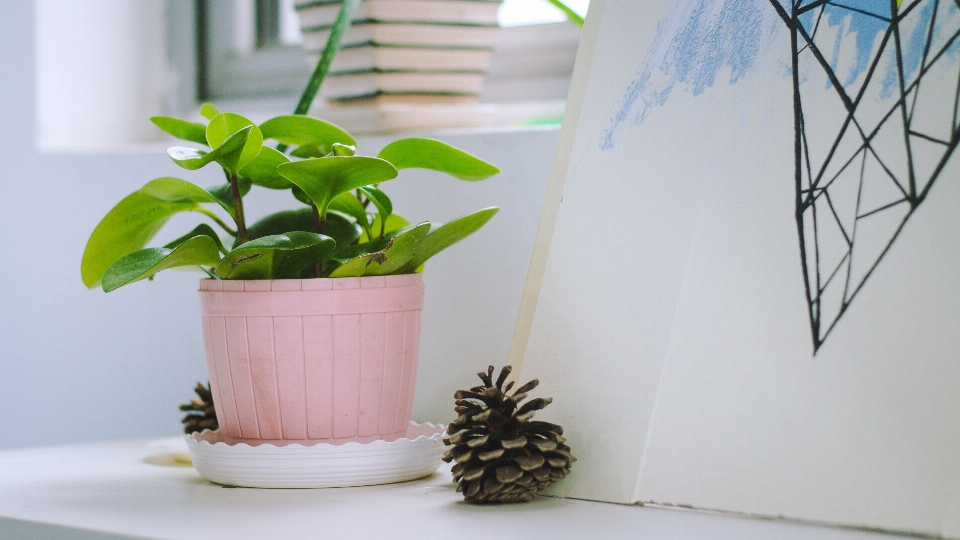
(311, 316)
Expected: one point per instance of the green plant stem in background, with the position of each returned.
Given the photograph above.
(340, 27)
(572, 15)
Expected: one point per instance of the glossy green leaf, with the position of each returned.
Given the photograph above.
(391, 258)
(144, 263)
(303, 130)
(200, 230)
(394, 223)
(127, 227)
(322, 179)
(262, 171)
(379, 199)
(176, 190)
(345, 253)
(344, 149)
(209, 110)
(168, 188)
(438, 156)
(136, 219)
(341, 228)
(227, 153)
(446, 235)
(222, 127)
(349, 205)
(280, 256)
(182, 129)
(312, 151)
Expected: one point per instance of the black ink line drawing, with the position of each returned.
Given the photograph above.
(860, 158)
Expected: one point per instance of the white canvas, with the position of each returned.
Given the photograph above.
(671, 321)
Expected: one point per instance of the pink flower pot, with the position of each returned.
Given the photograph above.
(312, 360)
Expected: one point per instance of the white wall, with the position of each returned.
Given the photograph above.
(80, 365)
(108, 55)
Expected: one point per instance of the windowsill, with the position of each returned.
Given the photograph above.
(159, 147)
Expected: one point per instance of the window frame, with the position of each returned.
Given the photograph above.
(275, 71)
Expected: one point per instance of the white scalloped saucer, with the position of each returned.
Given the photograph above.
(320, 465)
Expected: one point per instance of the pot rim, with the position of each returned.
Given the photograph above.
(310, 284)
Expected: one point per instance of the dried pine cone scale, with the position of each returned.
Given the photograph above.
(201, 413)
(501, 455)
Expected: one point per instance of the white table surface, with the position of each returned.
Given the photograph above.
(124, 489)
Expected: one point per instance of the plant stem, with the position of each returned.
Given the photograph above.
(320, 226)
(238, 209)
(217, 220)
(572, 15)
(340, 27)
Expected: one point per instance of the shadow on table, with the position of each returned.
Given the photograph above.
(166, 460)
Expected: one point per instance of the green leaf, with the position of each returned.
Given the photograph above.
(394, 223)
(209, 110)
(143, 264)
(279, 256)
(262, 171)
(345, 253)
(446, 235)
(312, 151)
(127, 227)
(379, 199)
(388, 260)
(182, 129)
(226, 154)
(349, 205)
(224, 194)
(322, 179)
(168, 188)
(222, 127)
(303, 130)
(343, 149)
(438, 156)
(200, 230)
(135, 220)
(339, 227)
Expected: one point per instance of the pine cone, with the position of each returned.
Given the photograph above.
(201, 413)
(501, 455)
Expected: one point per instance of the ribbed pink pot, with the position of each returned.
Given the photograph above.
(312, 360)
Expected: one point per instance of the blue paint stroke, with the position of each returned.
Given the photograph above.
(913, 48)
(698, 39)
(694, 43)
(864, 22)
(868, 19)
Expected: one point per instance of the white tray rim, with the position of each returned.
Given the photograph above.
(439, 430)
(320, 465)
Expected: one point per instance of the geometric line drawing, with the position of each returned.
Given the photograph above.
(857, 188)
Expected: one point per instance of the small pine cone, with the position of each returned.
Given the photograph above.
(201, 413)
(501, 455)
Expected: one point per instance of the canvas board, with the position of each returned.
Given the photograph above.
(748, 299)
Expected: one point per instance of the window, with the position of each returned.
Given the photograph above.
(250, 48)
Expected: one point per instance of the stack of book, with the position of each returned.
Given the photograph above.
(420, 52)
